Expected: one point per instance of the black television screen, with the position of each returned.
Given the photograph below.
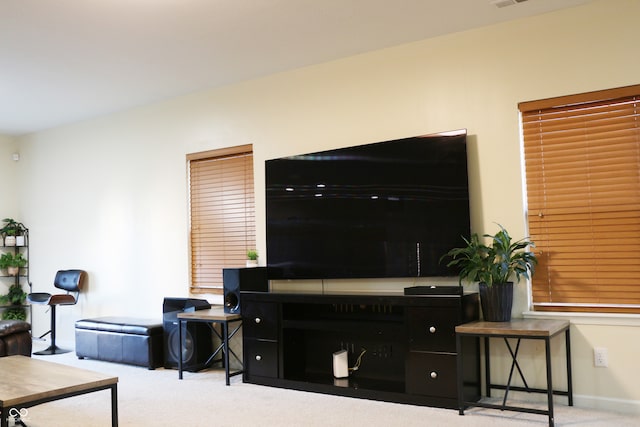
(389, 209)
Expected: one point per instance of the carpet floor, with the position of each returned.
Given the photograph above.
(201, 399)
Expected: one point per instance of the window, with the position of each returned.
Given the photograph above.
(582, 160)
(222, 214)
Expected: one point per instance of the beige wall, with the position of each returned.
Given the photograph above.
(109, 195)
(9, 195)
(8, 169)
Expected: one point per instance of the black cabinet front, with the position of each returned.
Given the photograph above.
(433, 329)
(399, 348)
(260, 320)
(431, 374)
(260, 358)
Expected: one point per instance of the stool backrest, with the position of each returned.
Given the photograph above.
(70, 280)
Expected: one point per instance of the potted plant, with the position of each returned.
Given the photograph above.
(12, 262)
(252, 258)
(493, 266)
(15, 298)
(12, 231)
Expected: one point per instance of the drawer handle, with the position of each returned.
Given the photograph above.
(432, 329)
(258, 320)
(433, 375)
(258, 357)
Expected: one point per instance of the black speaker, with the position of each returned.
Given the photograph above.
(197, 338)
(236, 280)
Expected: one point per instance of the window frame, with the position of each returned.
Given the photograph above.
(214, 244)
(555, 139)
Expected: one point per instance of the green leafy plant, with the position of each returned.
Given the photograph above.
(252, 254)
(8, 259)
(494, 263)
(12, 227)
(15, 296)
(14, 313)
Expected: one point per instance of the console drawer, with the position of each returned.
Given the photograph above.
(432, 329)
(260, 320)
(260, 358)
(431, 374)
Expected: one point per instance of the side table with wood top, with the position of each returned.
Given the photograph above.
(212, 316)
(517, 329)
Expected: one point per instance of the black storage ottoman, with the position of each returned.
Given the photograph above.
(121, 339)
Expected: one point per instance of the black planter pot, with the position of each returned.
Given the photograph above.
(496, 301)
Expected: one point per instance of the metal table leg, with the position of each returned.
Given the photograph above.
(547, 348)
(180, 349)
(569, 379)
(487, 367)
(114, 405)
(460, 380)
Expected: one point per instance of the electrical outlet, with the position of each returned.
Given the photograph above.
(600, 357)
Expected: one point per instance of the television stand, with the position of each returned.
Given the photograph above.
(407, 343)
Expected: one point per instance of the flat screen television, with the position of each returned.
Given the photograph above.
(382, 210)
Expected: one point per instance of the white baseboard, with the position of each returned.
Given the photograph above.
(598, 403)
(625, 406)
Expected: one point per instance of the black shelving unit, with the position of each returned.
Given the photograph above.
(22, 278)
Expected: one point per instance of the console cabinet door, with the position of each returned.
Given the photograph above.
(261, 358)
(260, 338)
(433, 329)
(431, 374)
(260, 320)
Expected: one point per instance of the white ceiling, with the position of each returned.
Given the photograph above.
(62, 61)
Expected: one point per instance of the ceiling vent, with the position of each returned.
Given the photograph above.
(505, 3)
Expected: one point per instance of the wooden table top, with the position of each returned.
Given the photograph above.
(215, 313)
(518, 327)
(25, 379)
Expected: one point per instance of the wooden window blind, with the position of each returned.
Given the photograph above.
(582, 160)
(222, 214)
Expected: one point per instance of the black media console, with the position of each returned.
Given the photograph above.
(289, 341)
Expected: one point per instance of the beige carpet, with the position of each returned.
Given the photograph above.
(158, 398)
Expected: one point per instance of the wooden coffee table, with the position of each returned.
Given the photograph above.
(28, 382)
